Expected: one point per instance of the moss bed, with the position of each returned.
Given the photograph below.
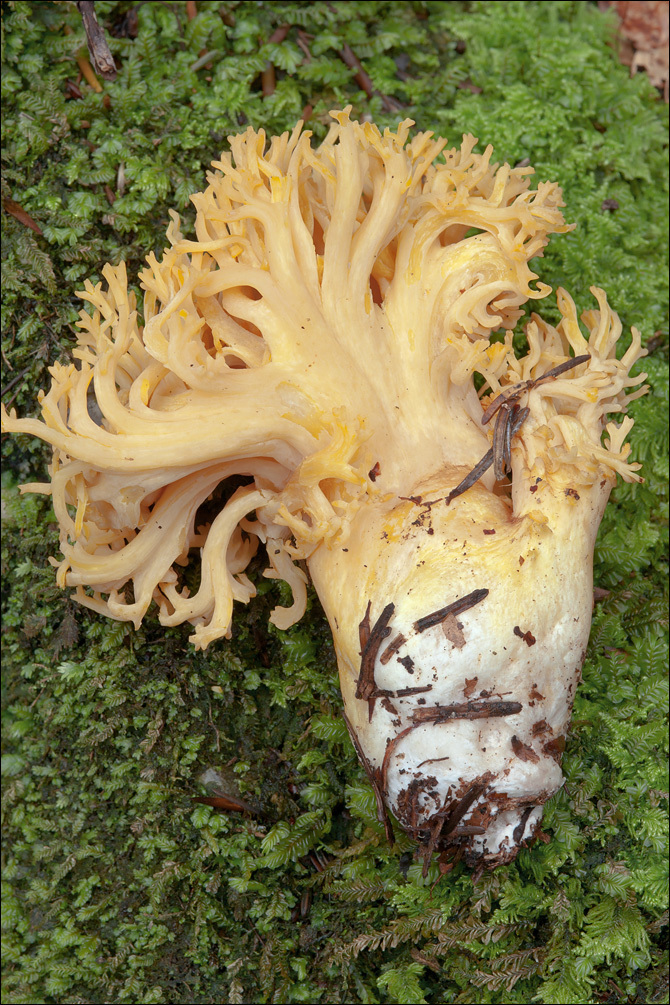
(118, 887)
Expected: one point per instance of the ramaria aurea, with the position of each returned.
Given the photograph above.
(321, 337)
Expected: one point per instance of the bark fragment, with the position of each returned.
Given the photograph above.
(523, 751)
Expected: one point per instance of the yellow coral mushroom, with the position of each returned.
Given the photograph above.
(321, 336)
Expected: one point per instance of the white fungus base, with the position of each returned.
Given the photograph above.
(466, 760)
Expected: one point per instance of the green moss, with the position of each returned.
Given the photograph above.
(117, 886)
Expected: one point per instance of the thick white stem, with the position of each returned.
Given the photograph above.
(461, 719)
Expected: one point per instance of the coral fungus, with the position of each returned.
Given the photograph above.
(324, 337)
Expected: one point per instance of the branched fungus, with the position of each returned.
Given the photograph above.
(320, 337)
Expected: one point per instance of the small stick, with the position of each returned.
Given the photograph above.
(562, 367)
(526, 385)
(507, 445)
(511, 392)
(393, 647)
(88, 73)
(364, 628)
(374, 775)
(474, 476)
(366, 688)
(456, 607)
(389, 104)
(518, 419)
(507, 426)
(465, 710)
(101, 57)
(509, 422)
(350, 59)
(10, 384)
(462, 806)
(517, 833)
(405, 692)
(501, 437)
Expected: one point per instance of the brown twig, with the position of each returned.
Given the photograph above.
(14, 381)
(361, 76)
(508, 424)
(366, 688)
(374, 776)
(303, 40)
(349, 57)
(517, 833)
(364, 628)
(473, 476)
(511, 393)
(437, 714)
(393, 647)
(98, 49)
(455, 607)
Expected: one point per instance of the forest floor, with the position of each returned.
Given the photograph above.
(117, 886)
